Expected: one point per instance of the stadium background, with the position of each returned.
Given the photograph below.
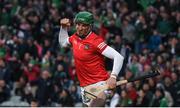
(35, 70)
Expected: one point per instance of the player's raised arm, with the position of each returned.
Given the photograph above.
(63, 34)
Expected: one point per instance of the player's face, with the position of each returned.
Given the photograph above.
(82, 29)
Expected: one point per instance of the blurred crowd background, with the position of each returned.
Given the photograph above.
(35, 70)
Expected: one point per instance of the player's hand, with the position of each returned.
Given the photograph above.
(65, 22)
(111, 82)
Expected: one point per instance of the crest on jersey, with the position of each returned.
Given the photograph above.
(86, 46)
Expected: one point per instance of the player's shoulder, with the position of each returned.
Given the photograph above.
(73, 36)
(96, 37)
(97, 40)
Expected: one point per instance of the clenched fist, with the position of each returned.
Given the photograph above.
(65, 22)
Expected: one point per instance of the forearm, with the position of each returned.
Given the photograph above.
(118, 59)
(63, 37)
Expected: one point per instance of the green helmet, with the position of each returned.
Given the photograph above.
(84, 17)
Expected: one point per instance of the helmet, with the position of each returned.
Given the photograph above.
(84, 17)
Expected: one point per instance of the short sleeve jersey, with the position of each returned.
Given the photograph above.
(89, 61)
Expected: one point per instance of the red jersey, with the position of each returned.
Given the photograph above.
(89, 61)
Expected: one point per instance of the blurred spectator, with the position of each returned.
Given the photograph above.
(34, 103)
(146, 32)
(128, 31)
(4, 91)
(27, 93)
(65, 99)
(147, 91)
(2, 49)
(125, 100)
(32, 71)
(159, 99)
(142, 99)
(46, 60)
(167, 95)
(142, 32)
(72, 71)
(173, 46)
(45, 89)
(75, 93)
(168, 85)
(32, 49)
(152, 84)
(132, 93)
(15, 65)
(60, 60)
(59, 75)
(20, 86)
(135, 66)
(164, 25)
(5, 72)
(176, 89)
(154, 41)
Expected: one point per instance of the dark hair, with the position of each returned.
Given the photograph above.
(161, 90)
(34, 100)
